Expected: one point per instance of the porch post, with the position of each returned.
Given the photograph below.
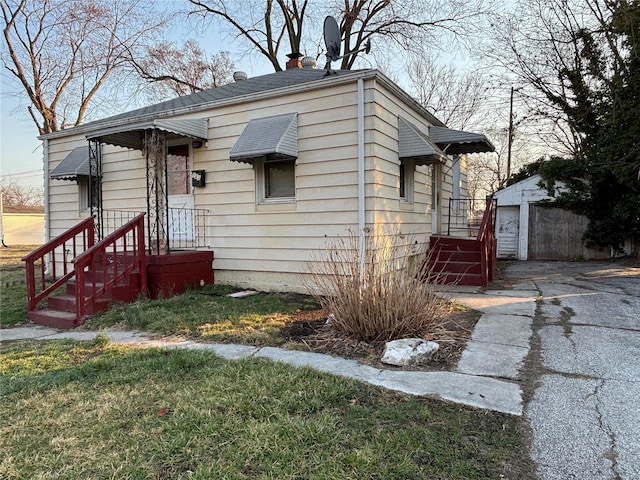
(155, 143)
(95, 184)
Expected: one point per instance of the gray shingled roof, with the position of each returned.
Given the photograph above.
(260, 84)
(264, 86)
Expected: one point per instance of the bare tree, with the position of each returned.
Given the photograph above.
(487, 172)
(16, 195)
(412, 25)
(170, 69)
(62, 52)
(457, 99)
(541, 44)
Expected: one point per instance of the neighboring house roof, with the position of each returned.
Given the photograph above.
(23, 209)
(75, 164)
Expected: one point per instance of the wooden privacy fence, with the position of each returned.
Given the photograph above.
(556, 234)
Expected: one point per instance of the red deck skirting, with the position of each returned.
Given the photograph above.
(171, 274)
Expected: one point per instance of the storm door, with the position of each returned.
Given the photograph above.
(180, 196)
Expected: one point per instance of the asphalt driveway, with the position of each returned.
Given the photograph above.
(582, 374)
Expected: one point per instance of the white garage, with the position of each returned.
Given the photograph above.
(512, 217)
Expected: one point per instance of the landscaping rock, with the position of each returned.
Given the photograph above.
(408, 351)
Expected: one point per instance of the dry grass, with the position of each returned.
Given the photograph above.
(376, 296)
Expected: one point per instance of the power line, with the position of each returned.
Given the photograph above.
(30, 173)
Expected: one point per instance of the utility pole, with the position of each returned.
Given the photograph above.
(510, 136)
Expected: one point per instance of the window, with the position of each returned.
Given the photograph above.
(84, 193)
(276, 181)
(406, 180)
(178, 170)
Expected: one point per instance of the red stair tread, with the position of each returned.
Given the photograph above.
(53, 318)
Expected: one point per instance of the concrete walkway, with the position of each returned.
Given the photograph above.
(486, 377)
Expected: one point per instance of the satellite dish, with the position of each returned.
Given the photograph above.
(333, 42)
(332, 39)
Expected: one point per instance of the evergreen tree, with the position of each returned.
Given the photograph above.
(603, 178)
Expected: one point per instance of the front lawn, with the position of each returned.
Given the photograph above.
(13, 290)
(93, 410)
(207, 312)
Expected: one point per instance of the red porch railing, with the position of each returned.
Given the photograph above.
(488, 245)
(97, 267)
(60, 251)
(117, 256)
(457, 260)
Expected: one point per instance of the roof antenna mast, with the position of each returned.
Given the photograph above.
(333, 42)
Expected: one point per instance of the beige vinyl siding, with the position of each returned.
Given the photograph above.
(124, 184)
(63, 198)
(247, 237)
(268, 245)
(389, 213)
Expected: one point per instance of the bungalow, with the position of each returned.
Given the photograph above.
(261, 171)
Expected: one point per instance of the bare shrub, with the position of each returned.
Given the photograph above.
(378, 297)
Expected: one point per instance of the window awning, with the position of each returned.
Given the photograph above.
(454, 142)
(74, 165)
(131, 135)
(415, 145)
(276, 137)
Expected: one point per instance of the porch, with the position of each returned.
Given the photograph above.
(466, 255)
(73, 275)
(117, 254)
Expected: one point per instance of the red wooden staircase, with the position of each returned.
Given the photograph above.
(75, 277)
(464, 261)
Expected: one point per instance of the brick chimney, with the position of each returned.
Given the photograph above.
(295, 60)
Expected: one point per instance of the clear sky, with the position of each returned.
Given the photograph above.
(21, 151)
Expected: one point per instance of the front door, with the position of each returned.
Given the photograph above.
(180, 196)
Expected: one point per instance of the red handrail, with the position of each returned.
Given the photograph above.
(119, 255)
(83, 233)
(486, 237)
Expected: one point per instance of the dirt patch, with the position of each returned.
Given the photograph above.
(310, 331)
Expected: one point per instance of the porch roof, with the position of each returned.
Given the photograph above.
(275, 136)
(413, 144)
(74, 165)
(131, 135)
(458, 141)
